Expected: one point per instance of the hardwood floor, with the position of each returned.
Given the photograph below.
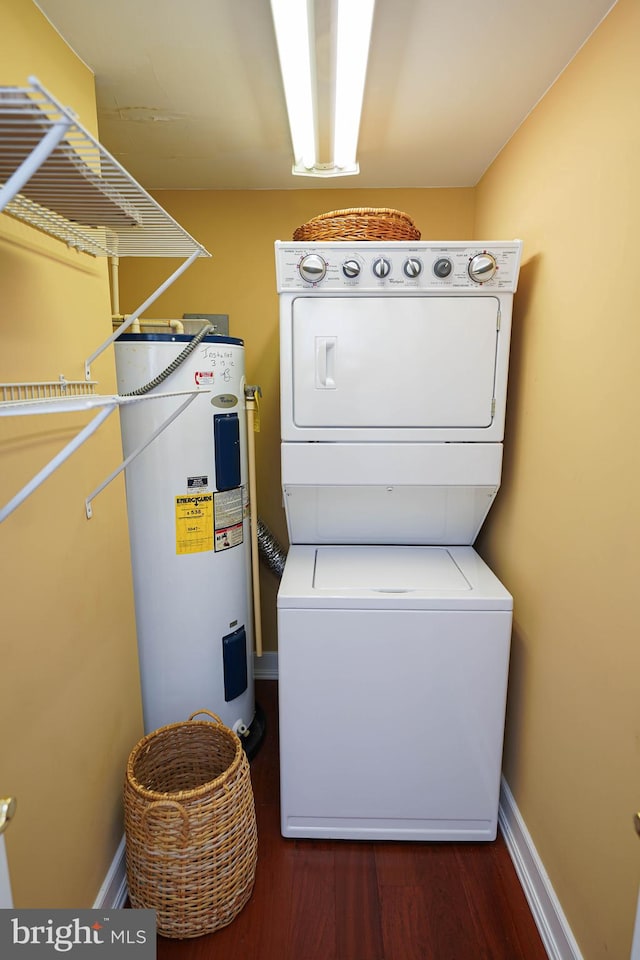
(343, 900)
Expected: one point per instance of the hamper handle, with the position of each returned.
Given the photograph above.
(176, 806)
(209, 713)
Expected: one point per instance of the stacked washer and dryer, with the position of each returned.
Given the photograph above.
(393, 634)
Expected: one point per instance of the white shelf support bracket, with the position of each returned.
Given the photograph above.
(141, 309)
(136, 452)
(57, 461)
(30, 164)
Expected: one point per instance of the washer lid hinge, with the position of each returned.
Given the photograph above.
(493, 408)
(499, 318)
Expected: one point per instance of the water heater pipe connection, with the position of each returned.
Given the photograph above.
(251, 393)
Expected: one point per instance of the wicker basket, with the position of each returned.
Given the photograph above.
(190, 826)
(359, 223)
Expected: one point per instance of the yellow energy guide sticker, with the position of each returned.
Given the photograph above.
(194, 523)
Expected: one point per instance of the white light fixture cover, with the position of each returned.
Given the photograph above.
(291, 22)
(354, 34)
(294, 27)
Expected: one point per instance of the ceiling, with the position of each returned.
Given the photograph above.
(190, 96)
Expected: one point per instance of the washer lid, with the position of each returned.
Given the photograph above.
(386, 570)
(408, 577)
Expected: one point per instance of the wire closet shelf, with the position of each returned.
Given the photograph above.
(55, 176)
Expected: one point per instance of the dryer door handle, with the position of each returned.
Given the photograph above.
(326, 348)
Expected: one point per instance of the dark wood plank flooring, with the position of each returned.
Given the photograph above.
(343, 900)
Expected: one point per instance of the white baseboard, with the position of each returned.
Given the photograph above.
(266, 666)
(113, 892)
(548, 915)
(551, 922)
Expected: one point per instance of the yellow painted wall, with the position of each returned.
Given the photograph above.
(69, 689)
(239, 228)
(563, 535)
(565, 532)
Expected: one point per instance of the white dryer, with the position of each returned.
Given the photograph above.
(393, 635)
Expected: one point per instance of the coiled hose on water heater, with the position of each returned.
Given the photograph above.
(190, 347)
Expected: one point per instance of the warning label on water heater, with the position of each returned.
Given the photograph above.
(228, 519)
(194, 523)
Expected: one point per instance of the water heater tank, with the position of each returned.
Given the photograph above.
(187, 501)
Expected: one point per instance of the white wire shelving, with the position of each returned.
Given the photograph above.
(56, 177)
(60, 389)
(105, 406)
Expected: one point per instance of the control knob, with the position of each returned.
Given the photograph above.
(412, 268)
(442, 268)
(351, 269)
(482, 267)
(381, 268)
(312, 268)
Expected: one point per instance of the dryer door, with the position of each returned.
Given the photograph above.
(394, 362)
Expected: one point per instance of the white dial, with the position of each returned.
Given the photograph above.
(482, 267)
(381, 268)
(351, 269)
(312, 268)
(412, 268)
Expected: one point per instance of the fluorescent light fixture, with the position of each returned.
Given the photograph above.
(354, 34)
(340, 48)
(291, 22)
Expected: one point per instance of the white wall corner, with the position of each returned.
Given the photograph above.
(550, 920)
(113, 892)
(266, 666)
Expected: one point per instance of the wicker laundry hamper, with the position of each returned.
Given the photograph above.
(190, 826)
(359, 223)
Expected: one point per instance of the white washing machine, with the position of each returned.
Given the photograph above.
(393, 634)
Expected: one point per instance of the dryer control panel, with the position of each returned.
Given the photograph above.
(395, 267)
